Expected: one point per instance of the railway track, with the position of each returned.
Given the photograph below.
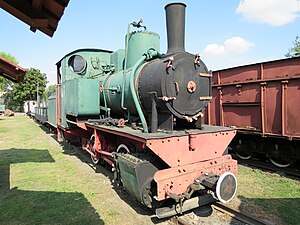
(235, 217)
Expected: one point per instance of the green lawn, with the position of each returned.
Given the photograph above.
(36, 180)
(41, 184)
(277, 195)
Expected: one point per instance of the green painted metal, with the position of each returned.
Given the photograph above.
(119, 91)
(41, 114)
(97, 63)
(80, 92)
(129, 178)
(134, 95)
(117, 59)
(111, 95)
(82, 97)
(52, 110)
(136, 175)
(140, 42)
(104, 86)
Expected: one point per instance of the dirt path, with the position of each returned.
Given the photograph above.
(113, 204)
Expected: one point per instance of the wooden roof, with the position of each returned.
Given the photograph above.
(11, 71)
(42, 15)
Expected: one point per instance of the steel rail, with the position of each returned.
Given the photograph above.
(237, 214)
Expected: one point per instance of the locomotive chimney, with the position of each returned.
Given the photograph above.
(175, 18)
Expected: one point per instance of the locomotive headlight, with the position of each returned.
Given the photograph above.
(77, 64)
(226, 187)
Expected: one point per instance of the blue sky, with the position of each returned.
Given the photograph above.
(226, 33)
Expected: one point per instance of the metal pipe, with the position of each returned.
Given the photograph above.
(107, 110)
(154, 119)
(175, 18)
(134, 96)
(125, 67)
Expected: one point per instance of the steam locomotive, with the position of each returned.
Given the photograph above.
(140, 111)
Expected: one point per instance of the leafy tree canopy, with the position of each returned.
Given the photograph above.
(27, 90)
(5, 83)
(51, 89)
(294, 51)
(9, 57)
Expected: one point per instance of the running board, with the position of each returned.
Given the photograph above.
(186, 205)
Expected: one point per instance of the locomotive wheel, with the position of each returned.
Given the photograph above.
(280, 163)
(122, 148)
(281, 157)
(244, 155)
(126, 149)
(95, 159)
(147, 192)
(243, 151)
(62, 136)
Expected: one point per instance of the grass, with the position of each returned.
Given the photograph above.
(275, 194)
(37, 180)
(42, 182)
(39, 184)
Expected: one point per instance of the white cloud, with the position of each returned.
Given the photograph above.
(231, 46)
(273, 12)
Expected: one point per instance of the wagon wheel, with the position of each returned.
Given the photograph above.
(125, 148)
(96, 158)
(243, 150)
(62, 136)
(281, 156)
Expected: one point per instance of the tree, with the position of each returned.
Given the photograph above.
(49, 90)
(294, 51)
(27, 90)
(5, 83)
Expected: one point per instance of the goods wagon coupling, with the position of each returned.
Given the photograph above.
(140, 112)
(262, 101)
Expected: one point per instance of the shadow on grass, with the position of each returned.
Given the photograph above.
(287, 209)
(39, 207)
(84, 157)
(72, 148)
(45, 207)
(13, 156)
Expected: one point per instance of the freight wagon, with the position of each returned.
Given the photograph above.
(262, 101)
(29, 107)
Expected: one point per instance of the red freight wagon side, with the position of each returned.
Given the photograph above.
(261, 99)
